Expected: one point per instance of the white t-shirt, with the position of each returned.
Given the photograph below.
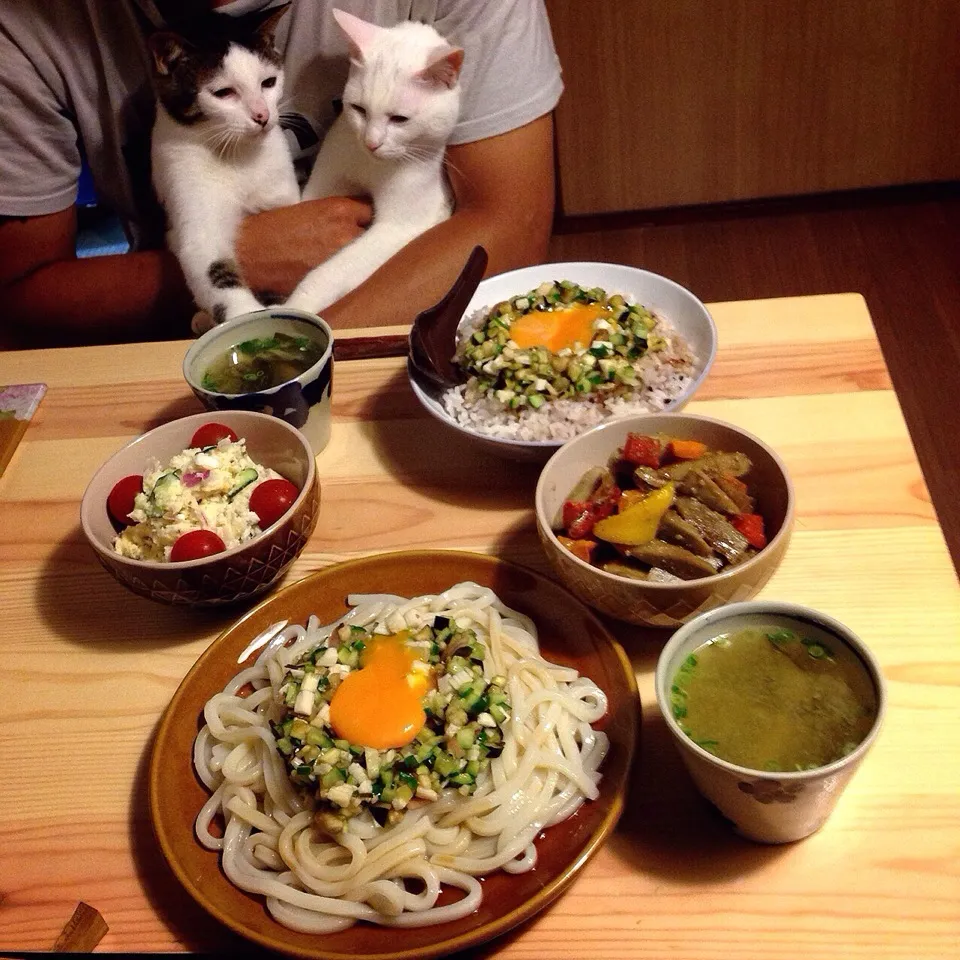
(74, 85)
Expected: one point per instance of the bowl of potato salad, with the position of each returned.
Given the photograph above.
(205, 510)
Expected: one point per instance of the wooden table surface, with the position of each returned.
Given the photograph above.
(86, 668)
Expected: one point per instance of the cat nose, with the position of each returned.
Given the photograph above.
(260, 114)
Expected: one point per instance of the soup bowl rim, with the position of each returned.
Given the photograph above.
(758, 609)
(201, 344)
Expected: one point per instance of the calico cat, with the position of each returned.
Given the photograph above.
(400, 106)
(217, 151)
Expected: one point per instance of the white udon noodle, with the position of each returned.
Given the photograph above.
(315, 884)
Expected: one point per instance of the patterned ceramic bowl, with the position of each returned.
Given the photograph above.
(303, 402)
(664, 604)
(236, 574)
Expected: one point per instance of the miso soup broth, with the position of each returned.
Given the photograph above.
(775, 697)
(261, 362)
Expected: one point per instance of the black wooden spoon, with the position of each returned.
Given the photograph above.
(434, 331)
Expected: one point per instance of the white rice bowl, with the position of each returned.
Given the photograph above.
(666, 378)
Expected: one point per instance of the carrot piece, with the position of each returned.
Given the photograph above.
(686, 449)
(584, 549)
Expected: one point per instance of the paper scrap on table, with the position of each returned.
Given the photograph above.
(18, 403)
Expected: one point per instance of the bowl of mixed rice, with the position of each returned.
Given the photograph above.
(548, 352)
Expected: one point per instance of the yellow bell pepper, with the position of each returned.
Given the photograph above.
(638, 523)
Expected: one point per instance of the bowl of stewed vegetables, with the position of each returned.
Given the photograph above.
(658, 518)
(205, 510)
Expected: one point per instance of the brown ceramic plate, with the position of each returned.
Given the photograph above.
(569, 634)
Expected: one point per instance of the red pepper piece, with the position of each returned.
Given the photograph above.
(751, 526)
(603, 508)
(642, 451)
(578, 518)
(572, 510)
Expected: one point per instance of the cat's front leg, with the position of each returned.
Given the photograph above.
(222, 293)
(317, 290)
(349, 267)
(203, 243)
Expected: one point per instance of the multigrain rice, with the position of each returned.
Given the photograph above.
(662, 377)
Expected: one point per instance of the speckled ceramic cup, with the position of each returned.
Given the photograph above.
(304, 402)
(770, 807)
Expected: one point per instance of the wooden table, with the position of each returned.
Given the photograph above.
(86, 668)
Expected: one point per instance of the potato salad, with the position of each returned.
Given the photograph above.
(203, 491)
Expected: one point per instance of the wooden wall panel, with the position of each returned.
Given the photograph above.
(675, 102)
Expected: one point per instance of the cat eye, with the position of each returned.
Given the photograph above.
(269, 82)
(358, 108)
(223, 92)
(398, 118)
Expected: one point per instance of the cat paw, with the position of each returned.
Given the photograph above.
(201, 323)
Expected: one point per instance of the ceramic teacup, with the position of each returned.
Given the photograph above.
(769, 807)
(303, 402)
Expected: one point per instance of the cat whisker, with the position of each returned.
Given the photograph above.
(212, 137)
(448, 165)
(417, 154)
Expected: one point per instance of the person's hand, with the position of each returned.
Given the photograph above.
(276, 248)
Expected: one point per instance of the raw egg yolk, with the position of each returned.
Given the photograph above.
(556, 329)
(378, 705)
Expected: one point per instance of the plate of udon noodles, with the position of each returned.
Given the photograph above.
(306, 842)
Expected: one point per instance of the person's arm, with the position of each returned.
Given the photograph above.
(504, 188)
(51, 298)
(276, 248)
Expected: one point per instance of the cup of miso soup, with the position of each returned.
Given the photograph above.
(276, 361)
(773, 706)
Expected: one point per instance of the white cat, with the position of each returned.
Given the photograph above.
(217, 151)
(400, 106)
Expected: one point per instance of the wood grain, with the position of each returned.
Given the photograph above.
(85, 659)
(694, 102)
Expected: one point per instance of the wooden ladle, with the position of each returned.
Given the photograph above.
(433, 334)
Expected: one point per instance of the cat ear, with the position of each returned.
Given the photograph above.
(268, 26)
(167, 48)
(443, 67)
(360, 34)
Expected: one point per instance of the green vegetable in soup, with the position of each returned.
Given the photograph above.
(261, 363)
(770, 698)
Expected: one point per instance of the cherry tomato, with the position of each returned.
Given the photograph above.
(211, 433)
(271, 499)
(120, 500)
(196, 544)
